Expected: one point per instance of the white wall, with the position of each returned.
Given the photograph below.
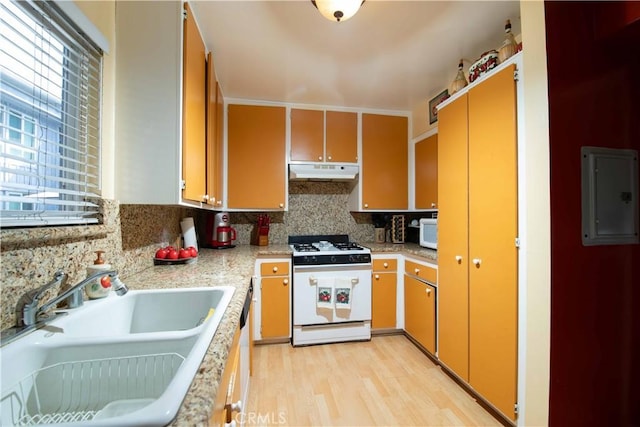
(535, 297)
(102, 14)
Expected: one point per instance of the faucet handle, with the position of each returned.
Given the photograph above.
(28, 303)
(60, 277)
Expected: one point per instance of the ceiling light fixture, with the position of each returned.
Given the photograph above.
(337, 10)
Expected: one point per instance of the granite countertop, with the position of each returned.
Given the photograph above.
(227, 267)
(403, 248)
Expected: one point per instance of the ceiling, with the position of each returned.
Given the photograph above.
(391, 55)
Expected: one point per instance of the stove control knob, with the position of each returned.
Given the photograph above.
(333, 259)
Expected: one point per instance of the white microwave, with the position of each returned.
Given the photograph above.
(429, 233)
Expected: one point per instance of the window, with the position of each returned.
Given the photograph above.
(50, 96)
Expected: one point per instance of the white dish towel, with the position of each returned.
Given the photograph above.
(343, 287)
(324, 292)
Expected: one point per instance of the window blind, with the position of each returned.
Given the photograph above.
(50, 97)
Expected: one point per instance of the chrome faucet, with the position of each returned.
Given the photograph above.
(27, 309)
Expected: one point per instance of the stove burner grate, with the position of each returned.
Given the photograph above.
(305, 247)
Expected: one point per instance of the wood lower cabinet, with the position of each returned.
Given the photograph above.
(256, 139)
(229, 391)
(384, 293)
(426, 173)
(384, 173)
(420, 312)
(275, 300)
(477, 231)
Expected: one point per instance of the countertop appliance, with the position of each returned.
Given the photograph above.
(331, 290)
(245, 347)
(220, 233)
(429, 233)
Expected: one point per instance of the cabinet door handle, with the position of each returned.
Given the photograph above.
(385, 265)
(319, 157)
(433, 205)
(313, 280)
(205, 198)
(376, 276)
(477, 262)
(366, 205)
(275, 269)
(329, 157)
(428, 291)
(458, 259)
(281, 205)
(285, 282)
(416, 271)
(237, 406)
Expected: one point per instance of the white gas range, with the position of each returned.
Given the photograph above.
(331, 290)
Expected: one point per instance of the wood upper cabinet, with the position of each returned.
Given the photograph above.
(275, 300)
(307, 135)
(215, 127)
(384, 293)
(319, 136)
(426, 173)
(194, 106)
(154, 41)
(477, 231)
(256, 177)
(420, 312)
(341, 137)
(384, 174)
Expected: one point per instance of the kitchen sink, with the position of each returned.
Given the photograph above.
(147, 311)
(75, 372)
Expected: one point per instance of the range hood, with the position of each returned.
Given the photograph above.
(322, 172)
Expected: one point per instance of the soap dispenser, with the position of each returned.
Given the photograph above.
(100, 287)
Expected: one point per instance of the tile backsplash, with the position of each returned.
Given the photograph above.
(131, 234)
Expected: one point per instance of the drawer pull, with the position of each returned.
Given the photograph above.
(428, 291)
(275, 269)
(385, 265)
(285, 282)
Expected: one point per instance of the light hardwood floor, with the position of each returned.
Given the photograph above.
(386, 381)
